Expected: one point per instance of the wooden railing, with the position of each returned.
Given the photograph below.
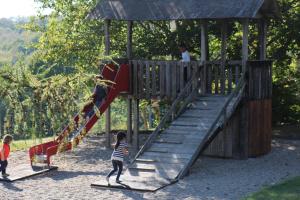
(220, 121)
(179, 104)
(166, 79)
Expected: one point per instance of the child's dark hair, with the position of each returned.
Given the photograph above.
(120, 136)
(182, 45)
(7, 138)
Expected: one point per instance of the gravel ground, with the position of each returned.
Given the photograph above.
(210, 178)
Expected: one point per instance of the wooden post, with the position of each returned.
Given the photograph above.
(223, 54)
(129, 120)
(245, 43)
(107, 36)
(129, 39)
(129, 100)
(107, 113)
(204, 53)
(262, 31)
(135, 124)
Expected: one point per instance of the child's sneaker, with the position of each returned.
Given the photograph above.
(118, 181)
(5, 175)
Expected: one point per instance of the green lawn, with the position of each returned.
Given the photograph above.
(288, 190)
(26, 144)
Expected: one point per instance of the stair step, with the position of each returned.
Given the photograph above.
(164, 141)
(145, 160)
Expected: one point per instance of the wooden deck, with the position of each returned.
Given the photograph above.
(25, 171)
(174, 149)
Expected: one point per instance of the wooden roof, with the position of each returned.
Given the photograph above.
(142, 10)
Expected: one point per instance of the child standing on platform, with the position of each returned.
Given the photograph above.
(4, 153)
(117, 157)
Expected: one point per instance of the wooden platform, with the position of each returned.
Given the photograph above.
(25, 171)
(173, 150)
(145, 185)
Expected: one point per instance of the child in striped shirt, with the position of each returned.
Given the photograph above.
(117, 157)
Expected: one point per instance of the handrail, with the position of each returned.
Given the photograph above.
(239, 89)
(171, 111)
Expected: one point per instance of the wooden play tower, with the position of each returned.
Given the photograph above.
(231, 112)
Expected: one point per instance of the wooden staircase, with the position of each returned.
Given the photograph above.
(171, 153)
(187, 128)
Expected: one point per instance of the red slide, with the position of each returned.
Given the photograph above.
(120, 77)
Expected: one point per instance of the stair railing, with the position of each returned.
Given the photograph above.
(221, 120)
(174, 112)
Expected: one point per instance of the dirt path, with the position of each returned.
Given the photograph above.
(210, 178)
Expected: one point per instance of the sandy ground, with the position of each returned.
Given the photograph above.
(210, 178)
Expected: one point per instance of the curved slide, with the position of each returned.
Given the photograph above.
(43, 152)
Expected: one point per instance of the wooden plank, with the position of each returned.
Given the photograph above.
(174, 80)
(135, 79)
(156, 166)
(181, 75)
(262, 33)
(165, 160)
(153, 80)
(108, 126)
(129, 40)
(229, 79)
(107, 36)
(245, 53)
(216, 77)
(162, 79)
(24, 171)
(129, 120)
(237, 74)
(149, 176)
(209, 79)
(141, 78)
(204, 41)
(128, 185)
(148, 80)
(136, 124)
(204, 80)
(223, 54)
(107, 52)
(167, 155)
(168, 79)
(171, 150)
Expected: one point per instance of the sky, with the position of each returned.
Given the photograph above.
(17, 8)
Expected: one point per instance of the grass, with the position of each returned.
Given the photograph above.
(26, 144)
(288, 190)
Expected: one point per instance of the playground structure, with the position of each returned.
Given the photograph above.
(232, 99)
(231, 115)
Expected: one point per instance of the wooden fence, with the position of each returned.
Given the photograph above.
(166, 79)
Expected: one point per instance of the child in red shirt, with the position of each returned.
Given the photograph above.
(4, 153)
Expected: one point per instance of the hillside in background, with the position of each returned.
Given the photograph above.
(15, 42)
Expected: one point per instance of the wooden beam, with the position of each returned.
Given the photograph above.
(223, 54)
(135, 124)
(129, 39)
(129, 53)
(108, 127)
(107, 36)
(204, 54)
(262, 31)
(204, 41)
(245, 52)
(129, 120)
(107, 113)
